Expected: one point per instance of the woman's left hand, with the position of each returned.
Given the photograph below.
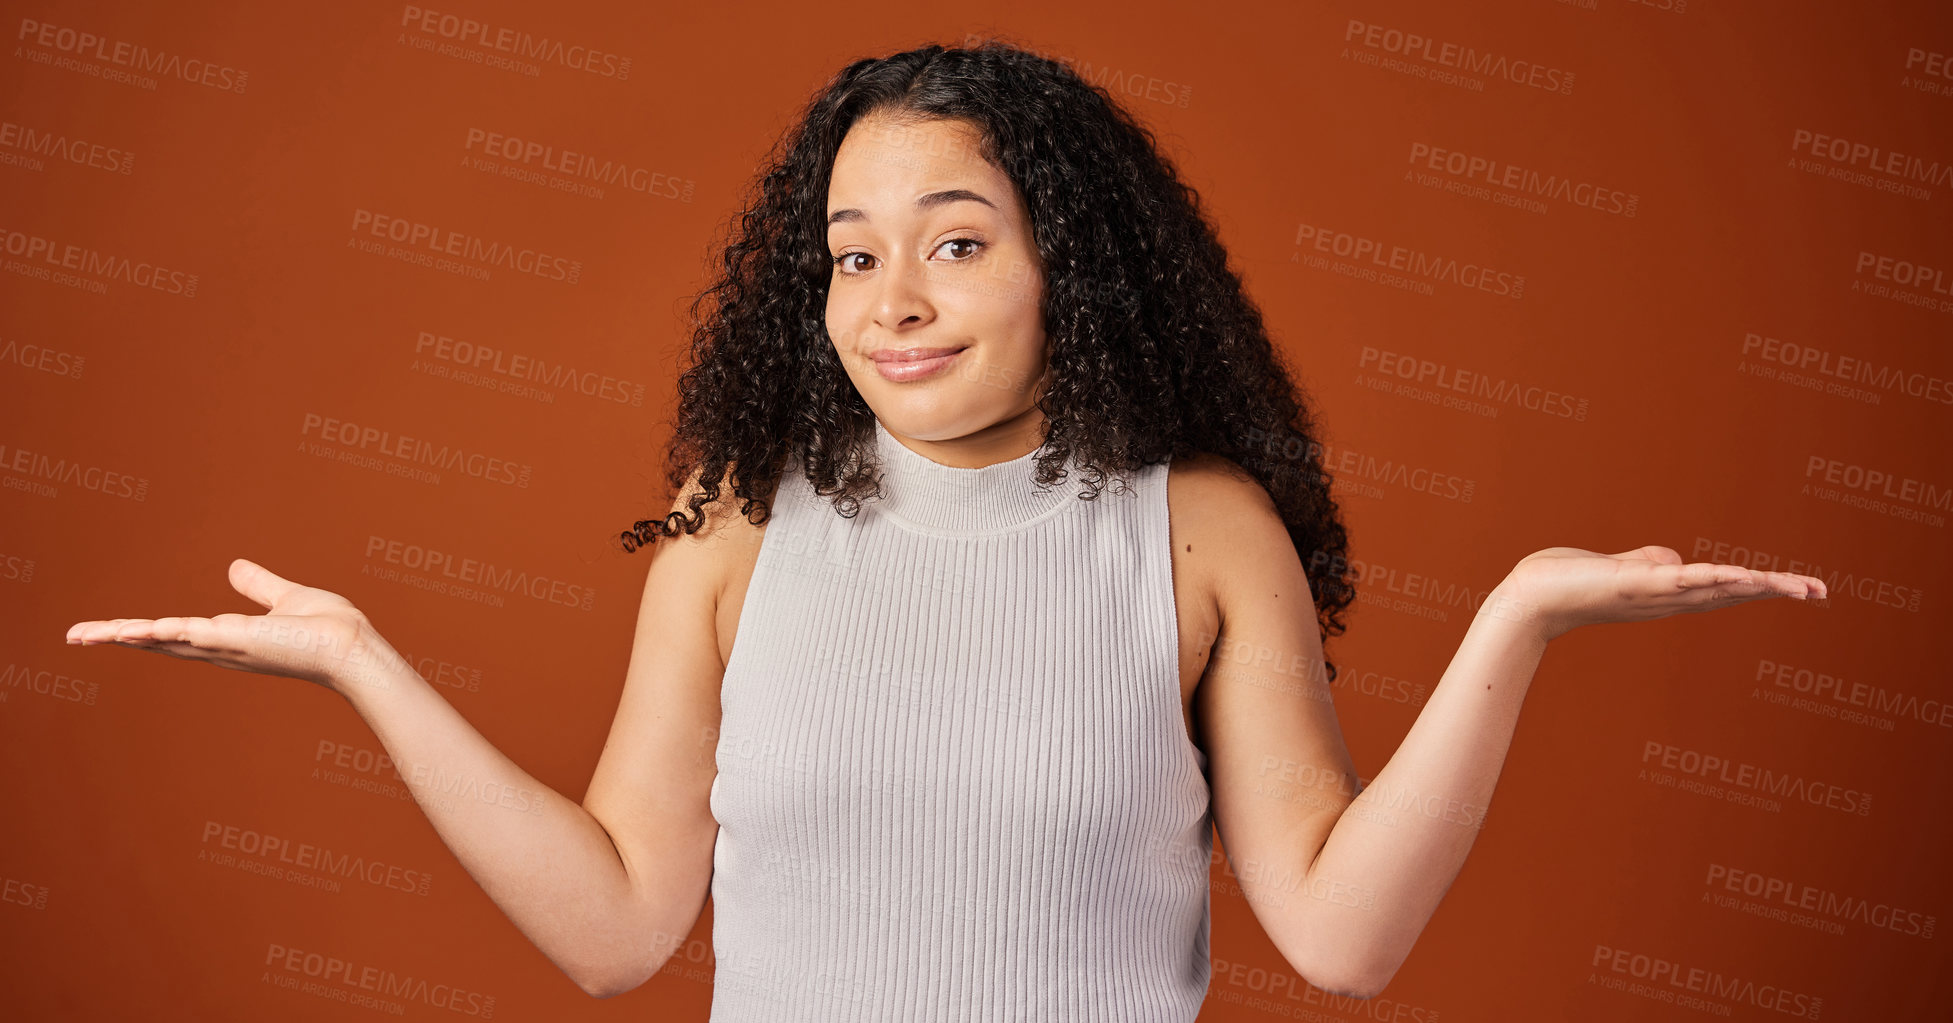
(1561, 588)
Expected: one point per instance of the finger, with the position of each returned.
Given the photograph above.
(189, 652)
(1652, 552)
(137, 630)
(1819, 590)
(1796, 587)
(132, 628)
(184, 651)
(1708, 574)
(80, 629)
(259, 583)
(1756, 586)
(197, 632)
(99, 632)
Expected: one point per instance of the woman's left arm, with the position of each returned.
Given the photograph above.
(1344, 880)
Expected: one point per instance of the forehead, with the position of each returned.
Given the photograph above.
(886, 161)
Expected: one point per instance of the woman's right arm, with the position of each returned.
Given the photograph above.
(609, 889)
(606, 890)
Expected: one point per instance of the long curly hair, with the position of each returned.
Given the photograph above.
(1154, 348)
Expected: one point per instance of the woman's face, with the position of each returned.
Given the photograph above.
(934, 302)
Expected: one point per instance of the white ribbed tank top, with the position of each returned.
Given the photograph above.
(954, 779)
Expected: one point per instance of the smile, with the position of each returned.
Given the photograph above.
(906, 364)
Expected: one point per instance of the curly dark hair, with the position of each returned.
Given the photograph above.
(1154, 348)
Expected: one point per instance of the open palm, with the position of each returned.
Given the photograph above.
(309, 633)
(1566, 587)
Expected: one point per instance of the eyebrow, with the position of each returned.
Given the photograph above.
(927, 200)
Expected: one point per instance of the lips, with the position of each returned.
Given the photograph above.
(903, 365)
(912, 354)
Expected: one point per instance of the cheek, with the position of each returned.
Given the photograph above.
(841, 326)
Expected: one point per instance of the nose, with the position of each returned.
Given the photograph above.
(902, 298)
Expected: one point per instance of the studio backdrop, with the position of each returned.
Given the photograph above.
(392, 299)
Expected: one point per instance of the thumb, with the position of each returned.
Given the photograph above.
(1655, 553)
(259, 583)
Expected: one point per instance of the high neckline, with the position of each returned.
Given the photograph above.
(925, 494)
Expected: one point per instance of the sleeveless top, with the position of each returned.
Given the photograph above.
(955, 782)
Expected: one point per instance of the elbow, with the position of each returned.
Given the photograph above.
(1357, 985)
(1366, 977)
(1347, 975)
(607, 985)
(605, 974)
(603, 987)
(598, 987)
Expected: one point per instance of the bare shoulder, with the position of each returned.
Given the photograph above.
(725, 542)
(1211, 496)
(1210, 478)
(1221, 522)
(723, 522)
(1225, 525)
(717, 559)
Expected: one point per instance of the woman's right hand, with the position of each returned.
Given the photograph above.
(311, 634)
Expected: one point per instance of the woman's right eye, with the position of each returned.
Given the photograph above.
(841, 264)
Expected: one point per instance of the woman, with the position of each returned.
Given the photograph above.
(983, 713)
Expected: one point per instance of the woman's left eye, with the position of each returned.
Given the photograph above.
(962, 241)
(848, 269)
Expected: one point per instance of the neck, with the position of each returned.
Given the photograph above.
(1004, 441)
(986, 497)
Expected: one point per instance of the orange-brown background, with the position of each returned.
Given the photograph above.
(150, 437)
